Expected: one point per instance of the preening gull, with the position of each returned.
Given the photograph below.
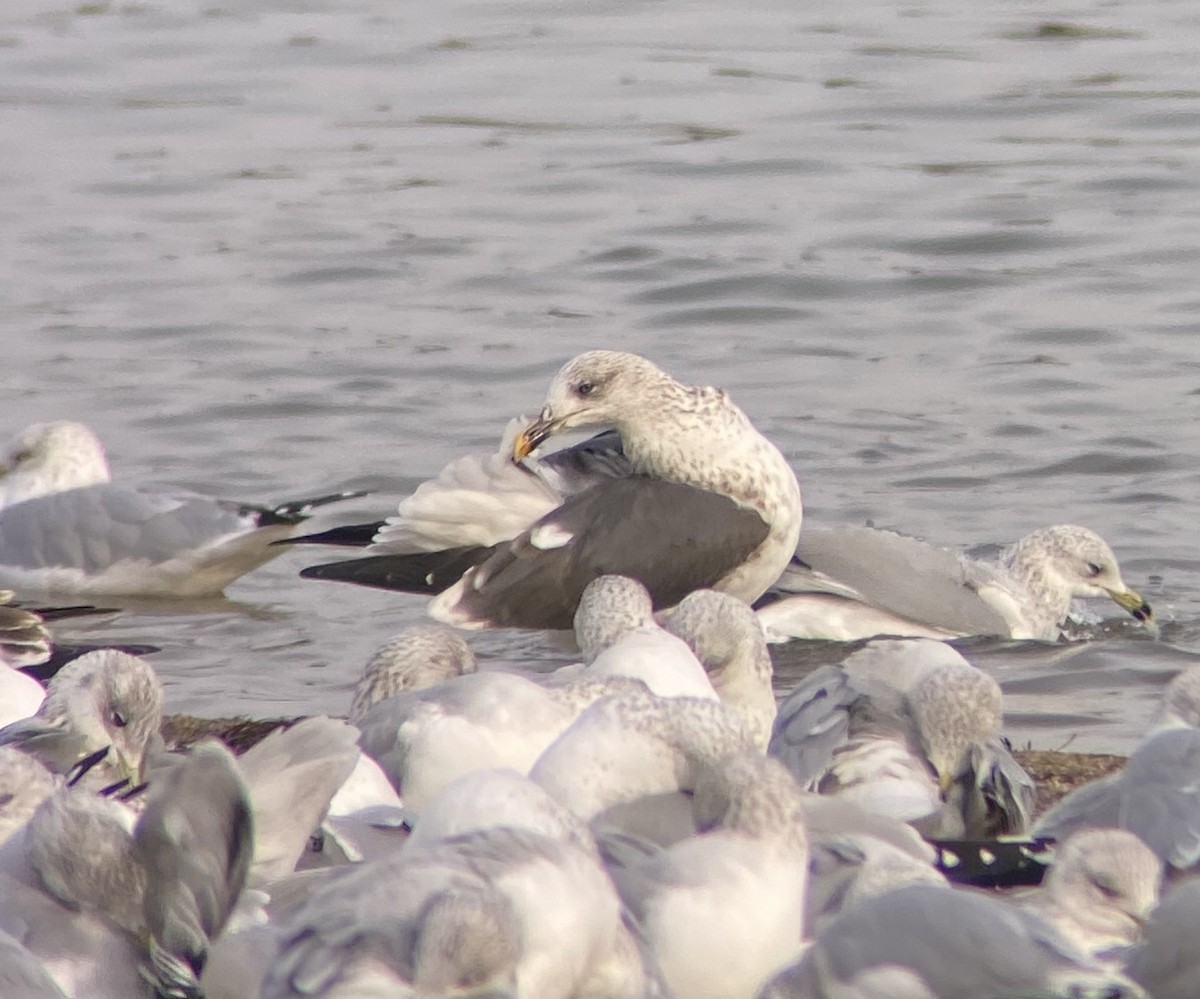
(699, 499)
(909, 728)
(103, 698)
(65, 527)
(848, 583)
(496, 911)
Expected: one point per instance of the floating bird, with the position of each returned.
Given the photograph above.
(65, 527)
(697, 498)
(848, 583)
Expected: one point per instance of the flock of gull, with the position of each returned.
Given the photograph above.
(650, 821)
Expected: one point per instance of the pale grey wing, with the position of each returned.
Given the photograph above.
(1095, 805)
(812, 722)
(56, 745)
(898, 574)
(195, 842)
(23, 976)
(98, 526)
(957, 944)
(291, 776)
(998, 796)
(1167, 962)
(380, 734)
(1160, 796)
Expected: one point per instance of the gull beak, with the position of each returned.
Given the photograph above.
(1131, 601)
(533, 435)
(945, 782)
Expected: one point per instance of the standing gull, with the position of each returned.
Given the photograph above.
(848, 583)
(64, 526)
(699, 499)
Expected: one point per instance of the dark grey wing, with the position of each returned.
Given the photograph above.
(97, 526)
(901, 575)
(195, 842)
(812, 722)
(670, 537)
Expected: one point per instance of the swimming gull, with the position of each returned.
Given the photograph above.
(909, 728)
(1100, 890)
(64, 526)
(700, 499)
(925, 941)
(848, 583)
(103, 698)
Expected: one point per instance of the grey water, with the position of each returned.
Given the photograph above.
(944, 254)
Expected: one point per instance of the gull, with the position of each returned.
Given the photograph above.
(1100, 890)
(699, 499)
(928, 941)
(102, 699)
(65, 527)
(909, 728)
(849, 583)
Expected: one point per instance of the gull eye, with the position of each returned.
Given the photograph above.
(1107, 888)
(23, 455)
(585, 389)
(119, 719)
(1093, 569)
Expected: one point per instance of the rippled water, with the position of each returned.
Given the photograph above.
(944, 255)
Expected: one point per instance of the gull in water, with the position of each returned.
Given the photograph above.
(65, 527)
(848, 583)
(908, 728)
(697, 498)
(102, 699)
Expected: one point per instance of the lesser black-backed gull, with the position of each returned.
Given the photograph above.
(698, 498)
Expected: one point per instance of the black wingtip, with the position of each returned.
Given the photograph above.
(422, 572)
(347, 536)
